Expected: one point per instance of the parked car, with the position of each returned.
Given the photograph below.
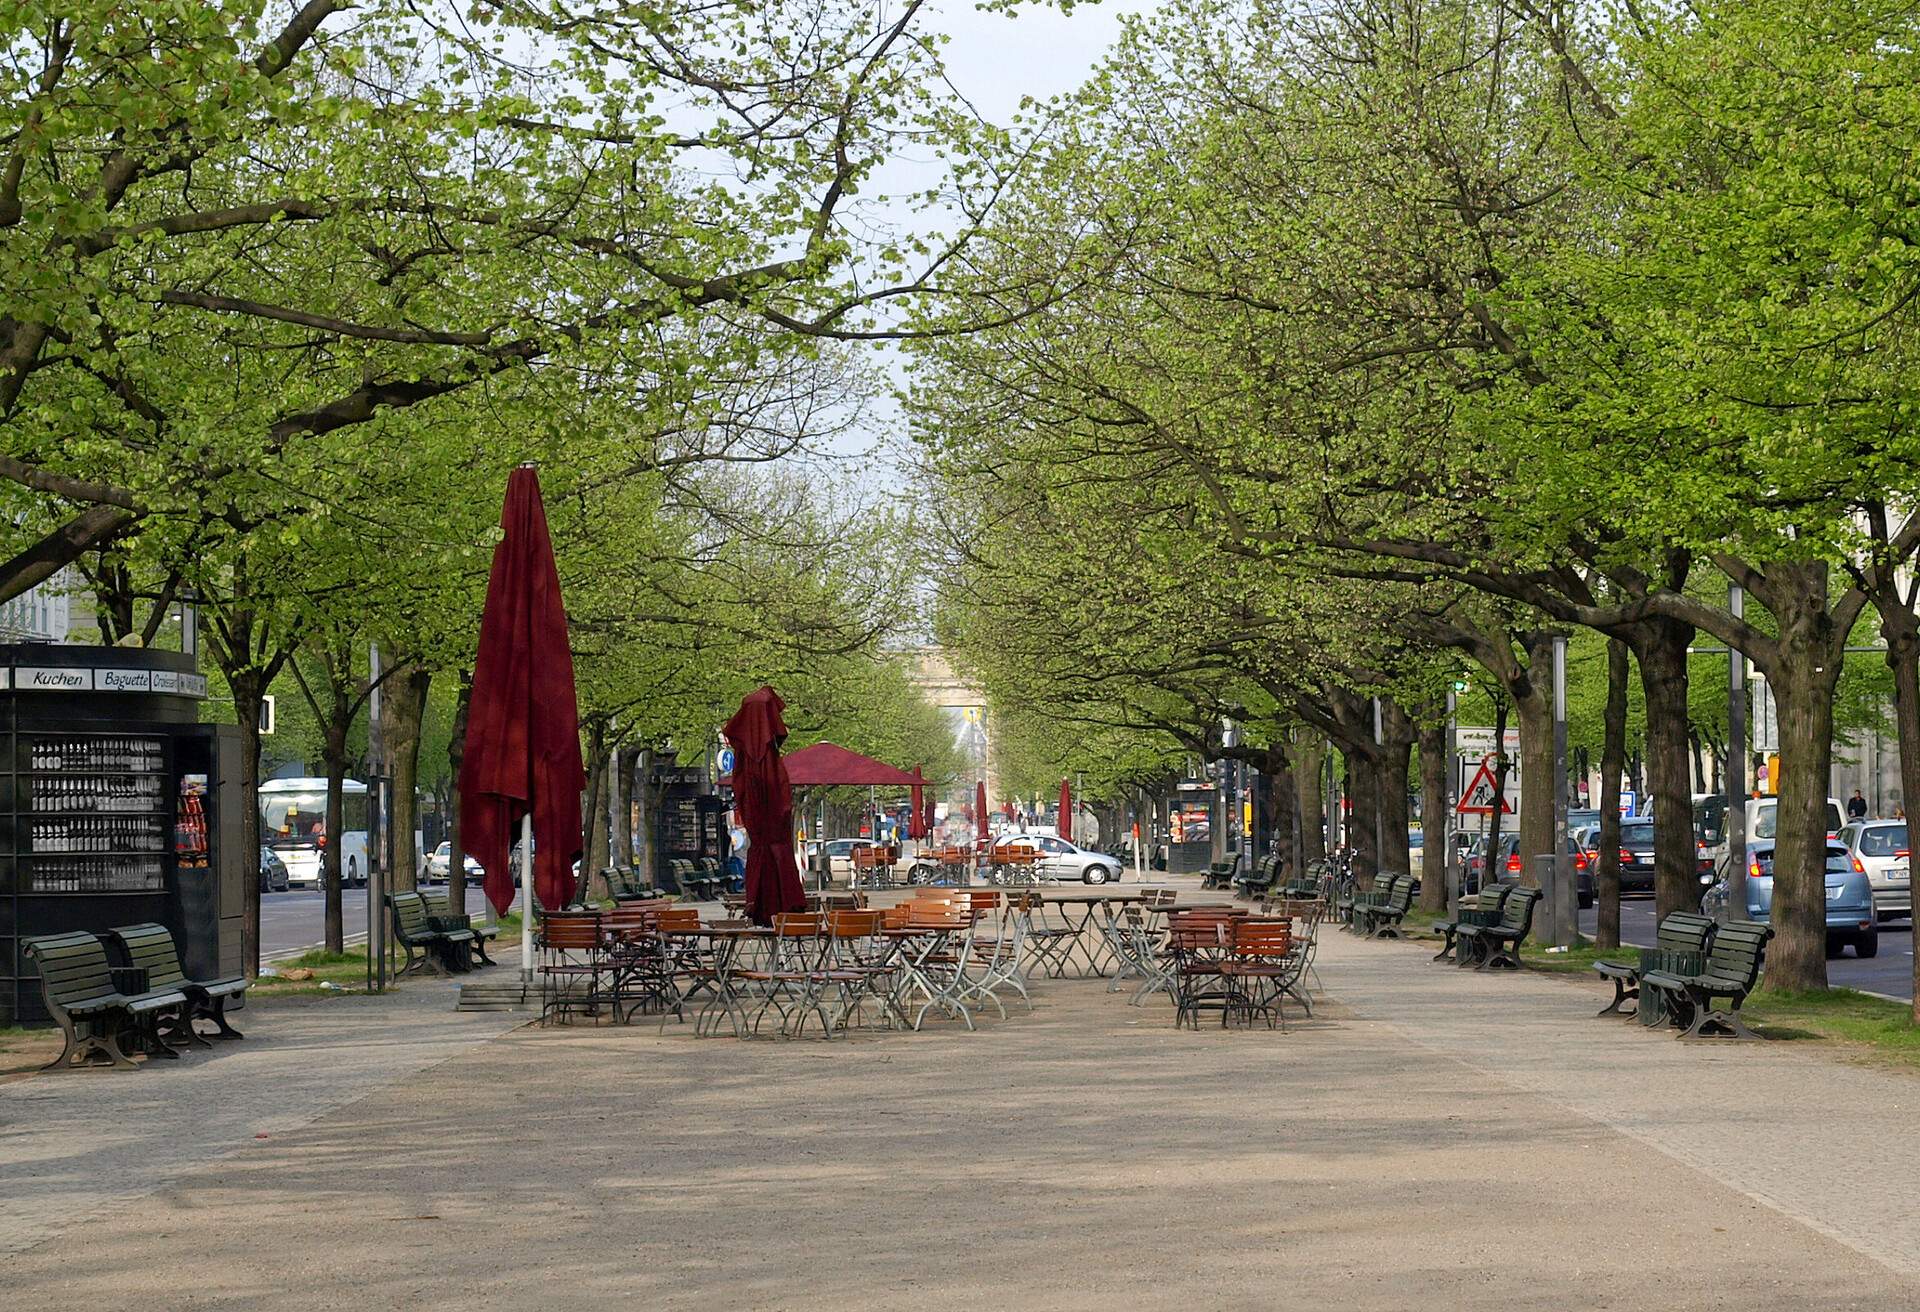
(273, 872)
(1850, 913)
(1475, 870)
(1065, 861)
(1878, 850)
(1762, 816)
(840, 852)
(440, 864)
(1510, 867)
(1636, 856)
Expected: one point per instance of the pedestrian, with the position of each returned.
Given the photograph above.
(1856, 806)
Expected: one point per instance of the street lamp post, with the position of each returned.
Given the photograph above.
(1735, 822)
(1566, 902)
(1379, 793)
(1447, 821)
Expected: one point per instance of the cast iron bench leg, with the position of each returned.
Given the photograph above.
(1621, 993)
(105, 1041)
(217, 1013)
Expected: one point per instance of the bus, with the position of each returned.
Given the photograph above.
(293, 822)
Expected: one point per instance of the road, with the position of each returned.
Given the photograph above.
(290, 923)
(1890, 973)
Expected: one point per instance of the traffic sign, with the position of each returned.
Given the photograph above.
(1480, 794)
(726, 760)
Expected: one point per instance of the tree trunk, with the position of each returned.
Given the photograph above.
(622, 801)
(1533, 705)
(248, 688)
(1394, 785)
(1491, 871)
(456, 850)
(1309, 758)
(593, 842)
(1803, 676)
(335, 753)
(1362, 833)
(648, 860)
(402, 711)
(1662, 652)
(1613, 761)
(1434, 852)
(1283, 802)
(1901, 630)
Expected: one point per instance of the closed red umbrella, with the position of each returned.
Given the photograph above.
(1066, 810)
(926, 819)
(521, 762)
(980, 814)
(917, 825)
(764, 798)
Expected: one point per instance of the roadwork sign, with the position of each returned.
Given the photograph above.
(1483, 791)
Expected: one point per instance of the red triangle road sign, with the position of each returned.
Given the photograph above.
(1480, 795)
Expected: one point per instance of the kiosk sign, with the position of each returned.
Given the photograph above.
(33, 678)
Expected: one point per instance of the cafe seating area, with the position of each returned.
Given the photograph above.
(933, 956)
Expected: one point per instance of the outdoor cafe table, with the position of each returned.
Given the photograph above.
(729, 942)
(915, 947)
(1097, 958)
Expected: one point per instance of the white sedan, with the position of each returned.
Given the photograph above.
(440, 864)
(1056, 858)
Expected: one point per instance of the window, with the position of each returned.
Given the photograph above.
(1640, 835)
(1882, 840)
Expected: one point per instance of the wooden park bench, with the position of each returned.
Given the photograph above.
(78, 986)
(1497, 946)
(150, 947)
(1381, 918)
(1682, 932)
(1260, 880)
(1353, 904)
(447, 949)
(1482, 908)
(1220, 874)
(623, 884)
(1732, 970)
(440, 915)
(1311, 883)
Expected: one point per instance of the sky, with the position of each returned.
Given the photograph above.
(993, 60)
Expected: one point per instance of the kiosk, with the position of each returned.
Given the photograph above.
(117, 806)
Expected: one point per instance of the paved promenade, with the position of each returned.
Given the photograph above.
(1433, 1137)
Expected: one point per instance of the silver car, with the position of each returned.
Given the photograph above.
(1057, 859)
(1878, 850)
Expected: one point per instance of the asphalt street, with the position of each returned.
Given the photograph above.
(291, 923)
(1891, 972)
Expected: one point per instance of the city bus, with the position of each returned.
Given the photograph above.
(293, 822)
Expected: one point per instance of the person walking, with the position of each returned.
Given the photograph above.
(1856, 806)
